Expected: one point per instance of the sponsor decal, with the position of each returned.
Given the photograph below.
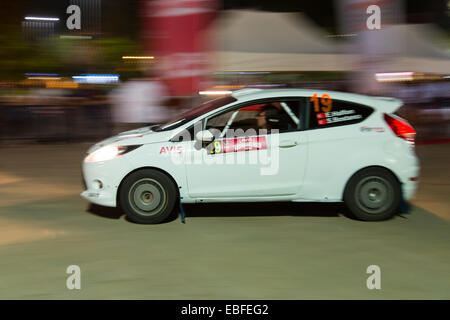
(320, 115)
(238, 145)
(372, 129)
(324, 115)
(337, 116)
(166, 150)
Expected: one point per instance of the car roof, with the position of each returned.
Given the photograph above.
(387, 104)
(252, 93)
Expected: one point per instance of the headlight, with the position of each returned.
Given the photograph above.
(109, 152)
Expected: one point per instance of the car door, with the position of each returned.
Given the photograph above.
(247, 158)
(336, 139)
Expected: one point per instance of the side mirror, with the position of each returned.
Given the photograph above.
(202, 139)
(204, 136)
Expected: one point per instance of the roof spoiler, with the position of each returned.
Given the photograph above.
(245, 91)
(388, 104)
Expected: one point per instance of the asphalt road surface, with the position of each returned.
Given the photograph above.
(251, 251)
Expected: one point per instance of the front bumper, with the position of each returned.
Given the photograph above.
(110, 174)
(102, 198)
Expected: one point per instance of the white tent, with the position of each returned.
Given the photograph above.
(406, 47)
(266, 41)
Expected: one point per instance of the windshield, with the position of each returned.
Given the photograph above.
(194, 113)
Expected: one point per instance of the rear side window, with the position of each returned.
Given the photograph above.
(336, 113)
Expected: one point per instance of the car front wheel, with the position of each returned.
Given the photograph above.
(373, 194)
(148, 196)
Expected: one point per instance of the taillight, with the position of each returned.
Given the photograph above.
(400, 128)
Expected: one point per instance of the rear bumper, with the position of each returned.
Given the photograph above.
(409, 189)
(409, 175)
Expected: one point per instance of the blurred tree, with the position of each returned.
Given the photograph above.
(19, 57)
(111, 51)
(66, 56)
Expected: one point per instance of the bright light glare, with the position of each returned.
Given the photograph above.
(75, 37)
(394, 76)
(41, 74)
(215, 92)
(96, 78)
(41, 19)
(138, 57)
(103, 154)
(44, 78)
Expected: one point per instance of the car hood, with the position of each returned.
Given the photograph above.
(142, 135)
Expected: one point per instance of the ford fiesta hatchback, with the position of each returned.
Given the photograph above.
(258, 145)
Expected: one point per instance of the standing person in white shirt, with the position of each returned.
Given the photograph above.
(138, 103)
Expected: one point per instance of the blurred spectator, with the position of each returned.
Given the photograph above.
(138, 103)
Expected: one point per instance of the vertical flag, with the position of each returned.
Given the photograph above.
(178, 30)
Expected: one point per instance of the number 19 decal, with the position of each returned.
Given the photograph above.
(325, 101)
(217, 147)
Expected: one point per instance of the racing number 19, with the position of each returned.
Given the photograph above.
(325, 101)
(217, 148)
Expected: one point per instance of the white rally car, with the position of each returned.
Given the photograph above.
(258, 145)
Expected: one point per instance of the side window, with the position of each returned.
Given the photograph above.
(336, 113)
(280, 115)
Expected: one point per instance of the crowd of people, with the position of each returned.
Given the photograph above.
(93, 112)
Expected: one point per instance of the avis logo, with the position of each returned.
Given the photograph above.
(171, 150)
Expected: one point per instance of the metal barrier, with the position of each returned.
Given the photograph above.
(47, 123)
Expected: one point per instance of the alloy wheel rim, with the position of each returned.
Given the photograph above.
(374, 194)
(147, 197)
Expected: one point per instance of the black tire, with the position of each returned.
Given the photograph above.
(373, 194)
(148, 196)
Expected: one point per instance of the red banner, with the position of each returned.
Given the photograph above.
(179, 41)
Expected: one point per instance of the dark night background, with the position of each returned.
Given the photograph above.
(121, 18)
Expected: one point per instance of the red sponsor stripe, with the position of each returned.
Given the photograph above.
(323, 121)
(244, 144)
(320, 115)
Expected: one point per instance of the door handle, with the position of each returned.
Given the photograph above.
(288, 144)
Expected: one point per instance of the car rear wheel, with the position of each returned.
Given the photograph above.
(373, 194)
(148, 196)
